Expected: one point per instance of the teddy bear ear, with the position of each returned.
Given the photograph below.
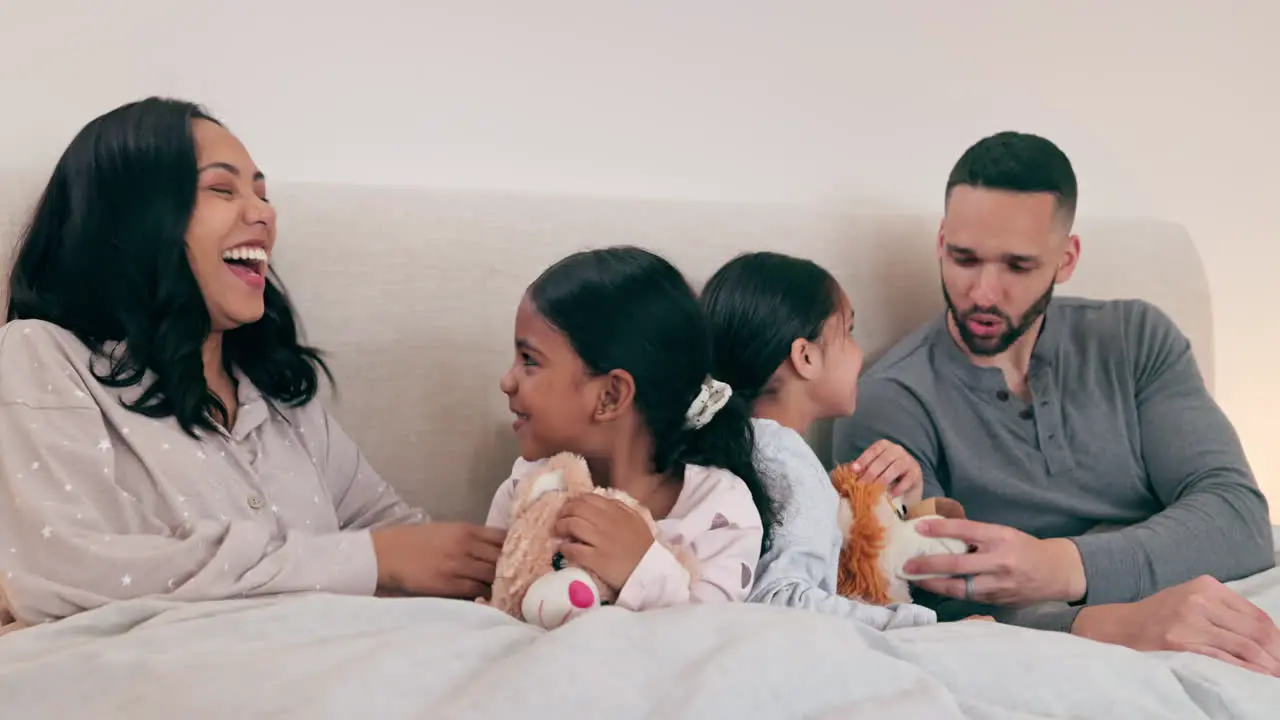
(577, 476)
(573, 469)
(550, 481)
(539, 480)
(564, 471)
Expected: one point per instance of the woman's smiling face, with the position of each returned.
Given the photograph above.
(232, 229)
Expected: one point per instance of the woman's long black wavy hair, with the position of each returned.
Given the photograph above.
(626, 308)
(104, 256)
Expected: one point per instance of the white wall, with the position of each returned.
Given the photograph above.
(1167, 107)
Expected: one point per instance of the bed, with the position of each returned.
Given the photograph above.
(412, 293)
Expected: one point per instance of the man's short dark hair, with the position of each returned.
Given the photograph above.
(1018, 162)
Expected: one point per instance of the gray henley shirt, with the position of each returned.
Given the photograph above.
(1121, 449)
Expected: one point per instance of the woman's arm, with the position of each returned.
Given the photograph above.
(362, 499)
(8, 623)
(72, 539)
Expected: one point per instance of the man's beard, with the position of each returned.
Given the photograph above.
(991, 346)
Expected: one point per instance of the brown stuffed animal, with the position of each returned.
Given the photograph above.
(880, 536)
(532, 581)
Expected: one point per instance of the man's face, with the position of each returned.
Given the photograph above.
(1001, 253)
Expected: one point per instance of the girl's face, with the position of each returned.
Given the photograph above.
(548, 389)
(232, 228)
(835, 390)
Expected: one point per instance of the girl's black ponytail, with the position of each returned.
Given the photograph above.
(627, 308)
(727, 441)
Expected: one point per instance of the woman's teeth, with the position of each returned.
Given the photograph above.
(246, 254)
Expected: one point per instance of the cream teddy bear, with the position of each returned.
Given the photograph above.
(532, 581)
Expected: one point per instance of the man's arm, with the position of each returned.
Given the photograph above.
(887, 410)
(1215, 520)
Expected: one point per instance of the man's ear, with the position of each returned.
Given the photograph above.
(805, 358)
(617, 393)
(1070, 256)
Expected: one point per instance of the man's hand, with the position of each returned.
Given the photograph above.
(603, 536)
(1008, 566)
(890, 464)
(1200, 616)
(452, 560)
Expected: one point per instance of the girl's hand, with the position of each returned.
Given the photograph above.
(889, 463)
(603, 536)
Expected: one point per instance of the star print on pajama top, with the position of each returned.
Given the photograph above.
(98, 503)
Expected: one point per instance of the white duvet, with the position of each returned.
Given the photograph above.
(322, 656)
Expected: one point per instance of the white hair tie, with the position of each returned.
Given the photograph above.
(711, 397)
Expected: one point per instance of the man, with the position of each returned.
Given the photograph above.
(1107, 494)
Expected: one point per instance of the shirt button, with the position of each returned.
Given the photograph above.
(1002, 396)
(1025, 414)
(255, 502)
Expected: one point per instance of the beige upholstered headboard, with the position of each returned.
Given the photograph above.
(412, 292)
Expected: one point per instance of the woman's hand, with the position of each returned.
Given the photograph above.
(449, 560)
(889, 463)
(603, 536)
(8, 623)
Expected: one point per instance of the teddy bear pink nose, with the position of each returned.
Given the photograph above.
(580, 595)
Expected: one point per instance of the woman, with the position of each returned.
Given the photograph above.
(158, 416)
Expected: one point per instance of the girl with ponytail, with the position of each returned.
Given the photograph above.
(782, 335)
(613, 362)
